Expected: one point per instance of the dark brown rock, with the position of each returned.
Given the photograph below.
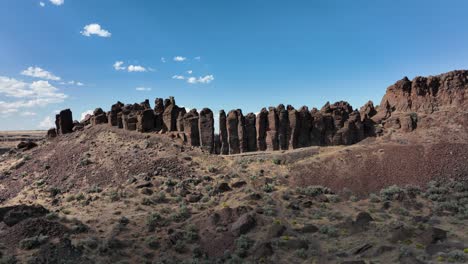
(180, 119)
(99, 117)
(51, 133)
(206, 127)
(191, 129)
(223, 133)
(145, 120)
(262, 127)
(251, 132)
(64, 122)
(26, 145)
(294, 127)
(158, 114)
(272, 131)
(232, 122)
(243, 225)
(305, 125)
(283, 127)
(171, 112)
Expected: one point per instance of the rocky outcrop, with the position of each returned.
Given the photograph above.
(250, 132)
(158, 114)
(283, 127)
(145, 120)
(223, 133)
(428, 94)
(99, 117)
(232, 123)
(171, 112)
(206, 126)
(64, 122)
(113, 116)
(262, 127)
(191, 129)
(272, 130)
(294, 127)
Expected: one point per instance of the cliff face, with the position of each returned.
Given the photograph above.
(427, 94)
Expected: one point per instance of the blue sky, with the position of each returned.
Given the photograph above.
(247, 54)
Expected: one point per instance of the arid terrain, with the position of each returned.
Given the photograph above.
(102, 194)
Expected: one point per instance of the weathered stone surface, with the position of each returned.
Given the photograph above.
(262, 127)
(428, 94)
(223, 133)
(180, 119)
(250, 132)
(243, 141)
(52, 133)
(232, 123)
(158, 114)
(283, 127)
(305, 126)
(272, 132)
(294, 127)
(26, 145)
(99, 117)
(206, 127)
(191, 129)
(171, 112)
(64, 122)
(244, 224)
(367, 112)
(112, 115)
(145, 120)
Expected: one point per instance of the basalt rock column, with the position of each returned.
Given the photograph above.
(251, 132)
(305, 125)
(206, 126)
(113, 114)
(191, 129)
(241, 131)
(317, 131)
(367, 112)
(99, 117)
(64, 121)
(171, 112)
(223, 133)
(180, 119)
(293, 132)
(283, 127)
(145, 120)
(232, 122)
(272, 132)
(158, 114)
(262, 127)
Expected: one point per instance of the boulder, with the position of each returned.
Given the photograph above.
(51, 133)
(26, 145)
(244, 224)
(99, 117)
(206, 127)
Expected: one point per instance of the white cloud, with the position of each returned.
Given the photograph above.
(71, 82)
(95, 29)
(27, 113)
(85, 113)
(143, 89)
(189, 71)
(178, 77)
(37, 72)
(179, 58)
(46, 123)
(79, 83)
(205, 79)
(42, 4)
(136, 68)
(27, 95)
(118, 65)
(163, 60)
(57, 2)
(197, 58)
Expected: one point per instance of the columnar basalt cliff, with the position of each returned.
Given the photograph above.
(283, 128)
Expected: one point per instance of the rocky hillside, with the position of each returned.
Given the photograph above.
(97, 193)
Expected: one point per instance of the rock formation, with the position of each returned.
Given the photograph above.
(403, 107)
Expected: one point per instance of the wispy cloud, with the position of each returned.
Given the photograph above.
(57, 2)
(143, 89)
(179, 58)
(136, 68)
(85, 113)
(178, 77)
(40, 73)
(163, 60)
(118, 66)
(205, 79)
(189, 71)
(197, 58)
(95, 29)
(42, 4)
